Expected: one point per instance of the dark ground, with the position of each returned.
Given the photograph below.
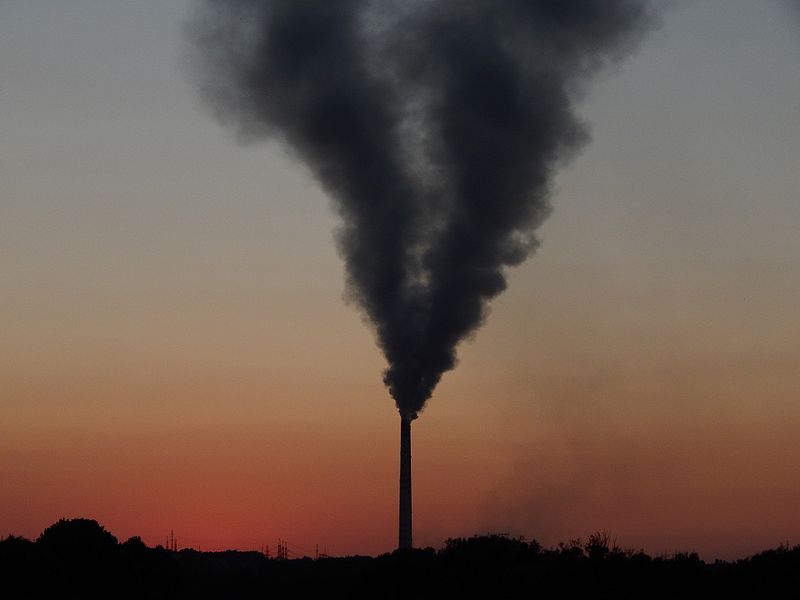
(79, 559)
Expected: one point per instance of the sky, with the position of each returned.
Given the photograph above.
(177, 351)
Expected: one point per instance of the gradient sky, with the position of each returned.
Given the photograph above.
(176, 353)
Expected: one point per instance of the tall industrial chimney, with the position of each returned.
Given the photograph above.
(404, 540)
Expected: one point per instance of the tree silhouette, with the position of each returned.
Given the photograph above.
(77, 536)
(78, 558)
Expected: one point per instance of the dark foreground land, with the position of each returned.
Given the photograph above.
(79, 559)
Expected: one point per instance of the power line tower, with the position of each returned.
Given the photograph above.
(283, 550)
(172, 543)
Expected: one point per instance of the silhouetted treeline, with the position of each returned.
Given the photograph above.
(79, 559)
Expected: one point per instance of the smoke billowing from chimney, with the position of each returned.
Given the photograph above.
(436, 125)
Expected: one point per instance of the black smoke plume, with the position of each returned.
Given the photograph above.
(436, 125)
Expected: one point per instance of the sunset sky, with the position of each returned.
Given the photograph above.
(176, 351)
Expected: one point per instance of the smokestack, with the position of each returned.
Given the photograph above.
(435, 126)
(404, 538)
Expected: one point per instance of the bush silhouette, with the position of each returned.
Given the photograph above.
(599, 545)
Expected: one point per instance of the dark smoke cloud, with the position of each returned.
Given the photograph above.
(436, 125)
(795, 4)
